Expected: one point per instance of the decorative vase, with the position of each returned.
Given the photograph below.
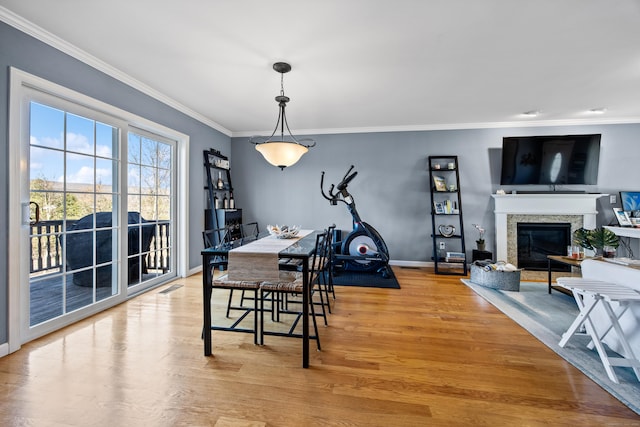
(480, 246)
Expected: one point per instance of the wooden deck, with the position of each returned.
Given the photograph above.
(47, 297)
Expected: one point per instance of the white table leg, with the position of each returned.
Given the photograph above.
(632, 360)
(604, 334)
(583, 317)
(580, 318)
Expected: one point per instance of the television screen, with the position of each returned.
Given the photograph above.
(630, 201)
(550, 160)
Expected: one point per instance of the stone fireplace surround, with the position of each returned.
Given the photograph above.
(577, 209)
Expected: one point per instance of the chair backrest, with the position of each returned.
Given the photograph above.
(320, 258)
(215, 237)
(330, 249)
(249, 232)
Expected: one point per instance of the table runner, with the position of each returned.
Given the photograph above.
(258, 260)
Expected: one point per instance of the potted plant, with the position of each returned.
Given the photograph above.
(600, 240)
(480, 241)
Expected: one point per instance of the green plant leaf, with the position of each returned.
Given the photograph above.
(601, 237)
(581, 238)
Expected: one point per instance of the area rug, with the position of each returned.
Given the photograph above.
(369, 280)
(546, 317)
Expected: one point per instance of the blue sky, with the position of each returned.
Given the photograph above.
(47, 130)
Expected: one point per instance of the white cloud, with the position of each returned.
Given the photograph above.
(50, 142)
(84, 175)
(78, 143)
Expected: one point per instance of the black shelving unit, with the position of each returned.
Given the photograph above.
(447, 226)
(216, 215)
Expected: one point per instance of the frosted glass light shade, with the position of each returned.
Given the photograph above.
(281, 154)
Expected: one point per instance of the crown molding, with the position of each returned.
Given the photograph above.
(449, 126)
(39, 33)
(52, 40)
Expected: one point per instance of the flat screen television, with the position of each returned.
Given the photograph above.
(550, 160)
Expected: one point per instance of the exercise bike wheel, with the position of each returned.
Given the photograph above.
(357, 241)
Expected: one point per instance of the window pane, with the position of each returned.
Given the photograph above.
(149, 150)
(148, 180)
(133, 149)
(80, 134)
(149, 208)
(79, 250)
(133, 179)
(80, 173)
(104, 176)
(51, 204)
(106, 140)
(133, 203)
(164, 208)
(47, 165)
(104, 202)
(78, 205)
(46, 126)
(164, 182)
(164, 156)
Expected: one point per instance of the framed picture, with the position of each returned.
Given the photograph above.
(438, 207)
(622, 217)
(630, 201)
(439, 183)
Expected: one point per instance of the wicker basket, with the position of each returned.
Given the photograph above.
(501, 280)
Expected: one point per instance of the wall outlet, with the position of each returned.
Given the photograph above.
(441, 245)
(612, 199)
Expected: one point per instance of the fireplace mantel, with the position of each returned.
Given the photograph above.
(583, 204)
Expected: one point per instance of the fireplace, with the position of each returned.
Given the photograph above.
(535, 241)
(579, 210)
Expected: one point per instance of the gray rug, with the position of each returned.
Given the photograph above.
(547, 317)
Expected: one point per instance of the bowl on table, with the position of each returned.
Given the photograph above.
(283, 231)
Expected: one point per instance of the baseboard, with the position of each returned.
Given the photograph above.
(4, 349)
(399, 263)
(414, 264)
(193, 271)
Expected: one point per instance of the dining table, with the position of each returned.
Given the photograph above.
(262, 257)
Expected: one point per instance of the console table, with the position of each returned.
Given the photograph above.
(561, 259)
(622, 275)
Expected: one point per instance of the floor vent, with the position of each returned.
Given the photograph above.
(170, 289)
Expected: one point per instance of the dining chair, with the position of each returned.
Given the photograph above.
(223, 282)
(219, 237)
(291, 282)
(323, 276)
(213, 238)
(249, 232)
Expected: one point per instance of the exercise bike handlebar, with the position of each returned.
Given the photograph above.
(332, 196)
(346, 182)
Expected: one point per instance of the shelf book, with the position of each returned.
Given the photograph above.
(439, 183)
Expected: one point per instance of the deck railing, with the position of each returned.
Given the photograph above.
(46, 248)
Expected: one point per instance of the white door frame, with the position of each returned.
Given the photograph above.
(18, 224)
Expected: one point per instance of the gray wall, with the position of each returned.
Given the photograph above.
(392, 186)
(24, 52)
(391, 189)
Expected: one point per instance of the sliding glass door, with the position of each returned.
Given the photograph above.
(97, 218)
(150, 183)
(74, 203)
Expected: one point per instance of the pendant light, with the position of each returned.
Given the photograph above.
(279, 151)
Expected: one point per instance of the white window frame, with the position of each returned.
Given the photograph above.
(20, 83)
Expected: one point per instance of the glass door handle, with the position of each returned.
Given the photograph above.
(35, 221)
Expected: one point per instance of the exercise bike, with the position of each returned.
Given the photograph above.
(363, 249)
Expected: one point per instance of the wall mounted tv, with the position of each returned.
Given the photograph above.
(550, 160)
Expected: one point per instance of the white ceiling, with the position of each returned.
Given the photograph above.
(361, 65)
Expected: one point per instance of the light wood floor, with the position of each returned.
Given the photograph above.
(431, 353)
